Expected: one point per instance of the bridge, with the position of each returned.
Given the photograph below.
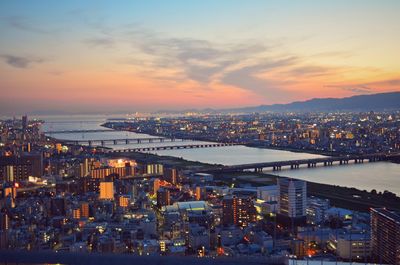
(103, 142)
(170, 147)
(79, 131)
(310, 163)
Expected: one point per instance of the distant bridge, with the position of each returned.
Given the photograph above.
(295, 164)
(170, 147)
(104, 142)
(79, 131)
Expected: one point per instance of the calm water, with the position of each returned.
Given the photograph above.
(233, 155)
(380, 176)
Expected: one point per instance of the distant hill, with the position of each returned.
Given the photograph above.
(382, 101)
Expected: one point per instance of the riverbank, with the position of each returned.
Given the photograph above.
(344, 197)
(252, 145)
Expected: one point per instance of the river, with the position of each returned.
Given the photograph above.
(380, 175)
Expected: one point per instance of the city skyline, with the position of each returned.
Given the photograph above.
(84, 56)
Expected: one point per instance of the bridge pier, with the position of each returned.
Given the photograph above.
(312, 164)
(328, 163)
(258, 169)
(277, 168)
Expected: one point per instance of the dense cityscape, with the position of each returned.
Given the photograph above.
(199, 132)
(342, 133)
(84, 199)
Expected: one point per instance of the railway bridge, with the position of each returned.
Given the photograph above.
(310, 163)
(103, 142)
(170, 147)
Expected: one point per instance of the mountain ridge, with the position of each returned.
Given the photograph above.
(366, 102)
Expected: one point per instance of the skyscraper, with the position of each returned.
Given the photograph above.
(24, 123)
(385, 236)
(292, 203)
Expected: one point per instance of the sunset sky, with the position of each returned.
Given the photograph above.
(111, 56)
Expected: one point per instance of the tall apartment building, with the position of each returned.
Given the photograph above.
(292, 203)
(106, 190)
(385, 236)
(238, 210)
(163, 197)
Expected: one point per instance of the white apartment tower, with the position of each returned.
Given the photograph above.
(292, 197)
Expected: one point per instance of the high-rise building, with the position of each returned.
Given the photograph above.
(238, 211)
(85, 209)
(9, 173)
(106, 190)
(200, 193)
(24, 123)
(76, 213)
(292, 197)
(292, 203)
(123, 201)
(171, 175)
(385, 236)
(163, 197)
(154, 169)
(4, 221)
